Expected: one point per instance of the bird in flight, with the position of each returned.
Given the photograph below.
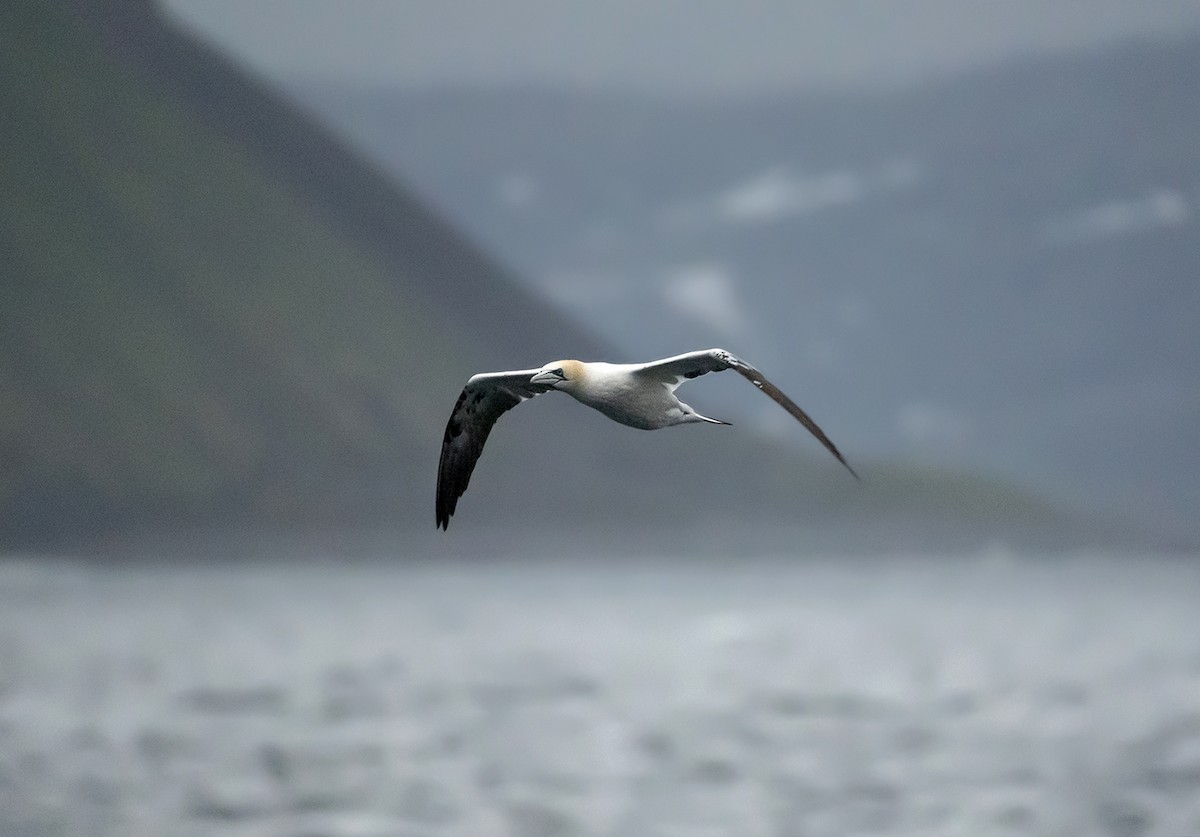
(641, 395)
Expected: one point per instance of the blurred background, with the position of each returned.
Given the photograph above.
(253, 250)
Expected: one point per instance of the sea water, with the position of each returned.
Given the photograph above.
(902, 695)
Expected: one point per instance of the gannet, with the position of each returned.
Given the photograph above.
(640, 395)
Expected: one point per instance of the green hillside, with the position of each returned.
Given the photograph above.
(185, 332)
(213, 315)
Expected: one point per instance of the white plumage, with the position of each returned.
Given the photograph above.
(641, 395)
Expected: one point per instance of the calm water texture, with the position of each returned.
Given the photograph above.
(975, 695)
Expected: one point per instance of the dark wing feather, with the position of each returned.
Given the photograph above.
(675, 370)
(484, 399)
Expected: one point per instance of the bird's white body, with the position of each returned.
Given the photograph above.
(629, 394)
(640, 395)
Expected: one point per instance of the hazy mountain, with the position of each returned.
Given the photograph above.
(215, 316)
(210, 307)
(997, 272)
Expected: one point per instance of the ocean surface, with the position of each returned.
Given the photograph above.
(980, 694)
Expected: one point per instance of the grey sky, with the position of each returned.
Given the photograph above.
(678, 46)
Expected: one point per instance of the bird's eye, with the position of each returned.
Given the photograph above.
(559, 373)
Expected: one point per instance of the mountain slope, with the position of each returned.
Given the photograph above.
(184, 329)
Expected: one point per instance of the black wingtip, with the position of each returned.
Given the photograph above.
(853, 472)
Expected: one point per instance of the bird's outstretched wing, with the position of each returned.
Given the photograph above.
(484, 399)
(673, 371)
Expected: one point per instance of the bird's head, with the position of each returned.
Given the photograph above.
(561, 374)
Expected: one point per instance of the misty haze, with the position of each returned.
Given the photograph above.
(254, 251)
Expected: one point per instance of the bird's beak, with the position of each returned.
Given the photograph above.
(545, 378)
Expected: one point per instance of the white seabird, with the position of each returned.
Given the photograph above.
(641, 395)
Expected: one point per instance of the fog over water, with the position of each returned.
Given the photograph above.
(969, 694)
